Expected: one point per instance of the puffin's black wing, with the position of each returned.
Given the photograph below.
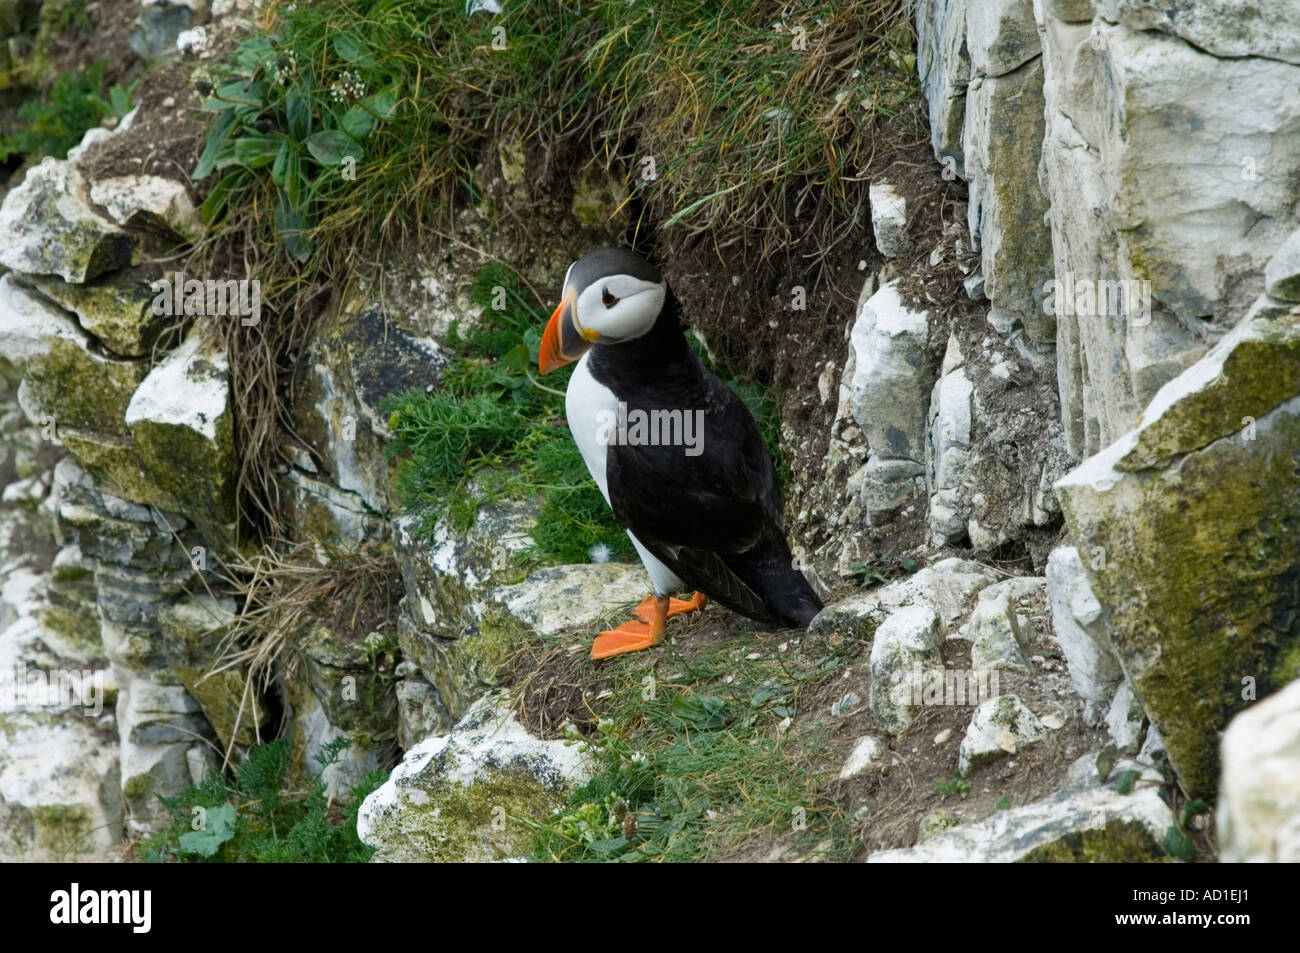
(713, 518)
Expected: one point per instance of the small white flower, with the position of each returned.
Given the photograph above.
(348, 87)
(286, 68)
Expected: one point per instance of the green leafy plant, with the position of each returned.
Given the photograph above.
(882, 569)
(120, 101)
(956, 786)
(263, 813)
(295, 122)
(1177, 842)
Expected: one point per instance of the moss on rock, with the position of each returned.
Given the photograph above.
(115, 310)
(117, 461)
(1198, 570)
(471, 795)
(181, 420)
(1246, 375)
(62, 829)
(1120, 842)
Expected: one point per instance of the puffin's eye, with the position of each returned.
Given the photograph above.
(607, 299)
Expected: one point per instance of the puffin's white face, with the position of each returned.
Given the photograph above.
(610, 296)
(619, 308)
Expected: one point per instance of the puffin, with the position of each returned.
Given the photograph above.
(675, 451)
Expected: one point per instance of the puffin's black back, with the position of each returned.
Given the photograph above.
(716, 519)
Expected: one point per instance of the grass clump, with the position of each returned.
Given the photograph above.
(283, 598)
(957, 786)
(264, 813)
(728, 114)
(698, 759)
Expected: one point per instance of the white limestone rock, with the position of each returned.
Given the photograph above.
(997, 631)
(1259, 790)
(59, 791)
(1125, 720)
(50, 229)
(889, 219)
(1168, 164)
(943, 64)
(61, 366)
(182, 421)
(906, 645)
(999, 727)
(1084, 821)
(892, 376)
(949, 429)
(571, 597)
(1224, 28)
(1081, 632)
(865, 753)
(138, 199)
(1003, 138)
(1001, 35)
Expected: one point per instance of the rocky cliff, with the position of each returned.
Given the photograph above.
(1046, 475)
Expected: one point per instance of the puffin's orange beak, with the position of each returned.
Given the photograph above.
(564, 340)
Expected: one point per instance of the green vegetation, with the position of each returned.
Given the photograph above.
(956, 786)
(737, 105)
(52, 124)
(276, 113)
(882, 569)
(699, 756)
(264, 814)
(29, 32)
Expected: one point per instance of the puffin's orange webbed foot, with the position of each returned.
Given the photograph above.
(628, 637)
(653, 612)
(645, 611)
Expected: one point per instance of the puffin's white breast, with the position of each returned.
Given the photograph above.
(589, 406)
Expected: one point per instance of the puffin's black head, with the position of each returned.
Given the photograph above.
(611, 295)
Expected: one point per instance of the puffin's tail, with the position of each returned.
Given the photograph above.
(784, 589)
(794, 600)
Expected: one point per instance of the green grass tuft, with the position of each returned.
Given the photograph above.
(727, 114)
(697, 758)
(261, 814)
